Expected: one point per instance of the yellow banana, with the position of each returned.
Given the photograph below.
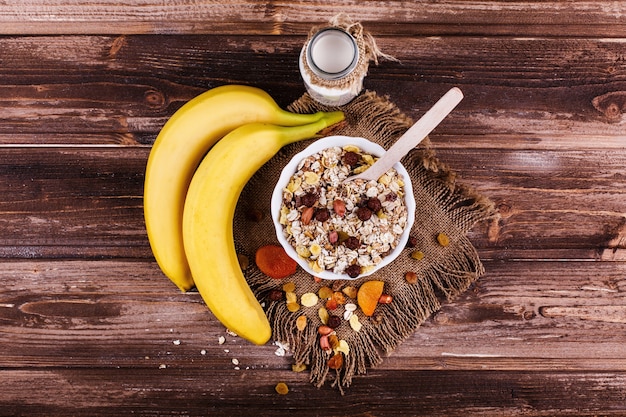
(208, 220)
(176, 153)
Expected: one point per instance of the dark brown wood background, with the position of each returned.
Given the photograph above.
(89, 325)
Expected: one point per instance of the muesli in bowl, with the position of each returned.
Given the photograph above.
(336, 229)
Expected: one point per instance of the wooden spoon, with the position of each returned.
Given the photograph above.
(413, 136)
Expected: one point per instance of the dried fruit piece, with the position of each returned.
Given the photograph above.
(331, 304)
(355, 323)
(322, 214)
(293, 307)
(291, 297)
(309, 299)
(339, 297)
(352, 243)
(350, 158)
(323, 315)
(336, 361)
(274, 262)
(311, 177)
(315, 249)
(350, 291)
(417, 255)
(276, 295)
(411, 277)
(333, 341)
(443, 239)
(325, 292)
(307, 215)
(368, 295)
(333, 321)
(289, 287)
(309, 199)
(301, 323)
(281, 388)
(353, 271)
(342, 347)
(298, 367)
(385, 299)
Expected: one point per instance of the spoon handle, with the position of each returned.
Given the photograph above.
(412, 137)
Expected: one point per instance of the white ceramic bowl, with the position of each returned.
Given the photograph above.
(288, 171)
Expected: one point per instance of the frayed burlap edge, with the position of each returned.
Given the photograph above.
(442, 275)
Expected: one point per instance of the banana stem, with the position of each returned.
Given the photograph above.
(311, 130)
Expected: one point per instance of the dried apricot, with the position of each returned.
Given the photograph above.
(368, 295)
(274, 262)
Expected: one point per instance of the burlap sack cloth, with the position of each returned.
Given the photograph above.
(443, 206)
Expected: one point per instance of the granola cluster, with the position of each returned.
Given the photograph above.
(344, 228)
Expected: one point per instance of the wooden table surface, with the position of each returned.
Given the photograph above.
(89, 325)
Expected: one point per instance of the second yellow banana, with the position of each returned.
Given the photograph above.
(176, 153)
(208, 220)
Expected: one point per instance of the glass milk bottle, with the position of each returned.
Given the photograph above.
(327, 65)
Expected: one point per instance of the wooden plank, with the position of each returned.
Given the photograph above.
(521, 316)
(118, 338)
(535, 93)
(525, 18)
(87, 202)
(149, 392)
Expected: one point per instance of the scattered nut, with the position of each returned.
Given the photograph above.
(307, 215)
(411, 277)
(325, 330)
(385, 299)
(339, 207)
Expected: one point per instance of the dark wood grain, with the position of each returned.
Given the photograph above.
(90, 326)
(493, 18)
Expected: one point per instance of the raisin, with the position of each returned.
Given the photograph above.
(363, 213)
(353, 271)
(412, 242)
(333, 321)
(352, 243)
(309, 199)
(276, 295)
(351, 158)
(322, 214)
(391, 196)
